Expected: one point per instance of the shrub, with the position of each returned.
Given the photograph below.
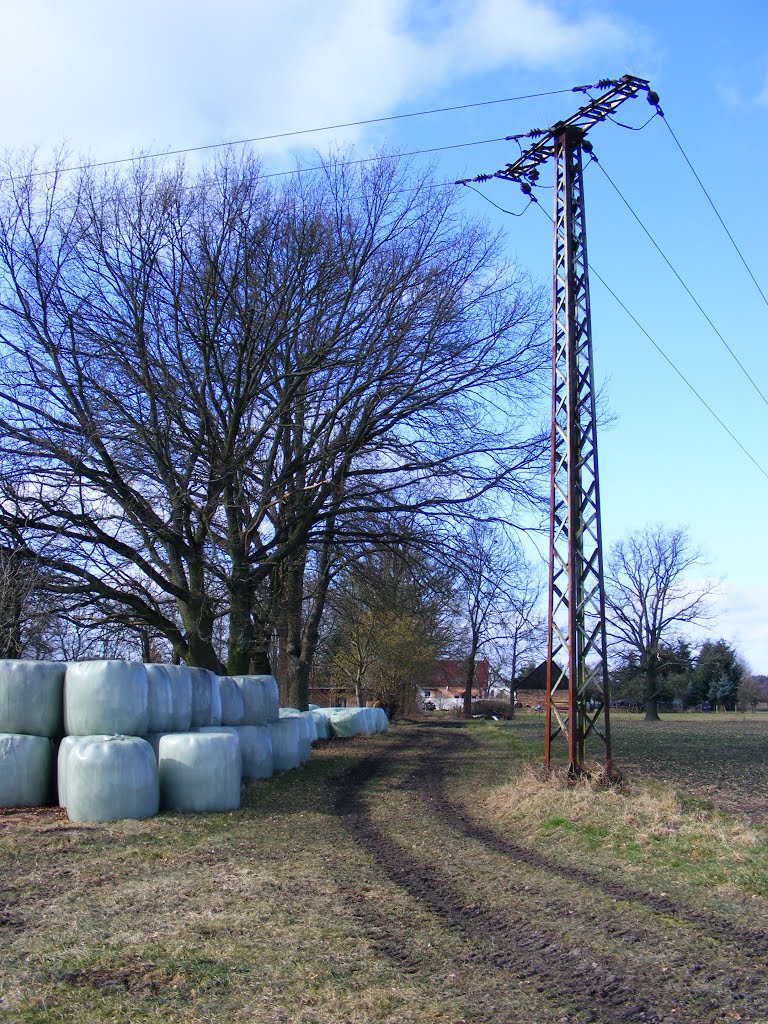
(492, 709)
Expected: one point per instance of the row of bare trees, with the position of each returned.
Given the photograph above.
(395, 614)
(219, 392)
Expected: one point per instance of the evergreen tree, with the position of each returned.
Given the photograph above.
(717, 675)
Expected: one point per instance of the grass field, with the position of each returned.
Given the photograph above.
(431, 875)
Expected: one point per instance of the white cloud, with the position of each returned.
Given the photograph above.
(743, 620)
(744, 95)
(740, 616)
(114, 78)
(524, 32)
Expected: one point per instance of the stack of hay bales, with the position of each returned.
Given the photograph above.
(31, 717)
(132, 738)
(346, 722)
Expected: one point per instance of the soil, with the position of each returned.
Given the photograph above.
(502, 932)
(714, 967)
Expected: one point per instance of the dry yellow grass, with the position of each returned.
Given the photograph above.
(640, 822)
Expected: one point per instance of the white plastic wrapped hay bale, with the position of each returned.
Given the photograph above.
(26, 770)
(31, 697)
(348, 722)
(287, 738)
(106, 697)
(160, 698)
(256, 751)
(61, 770)
(255, 748)
(322, 724)
(309, 718)
(200, 771)
(260, 699)
(305, 746)
(181, 697)
(372, 720)
(206, 698)
(232, 703)
(290, 712)
(305, 732)
(112, 778)
(228, 730)
(381, 720)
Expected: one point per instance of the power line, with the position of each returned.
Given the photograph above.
(715, 210)
(679, 373)
(511, 213)
(347, 163)
(373, 159)
(698, 305)
(669, 361)
(636, 127)
(301, 131)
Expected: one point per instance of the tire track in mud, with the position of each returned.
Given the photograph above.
(752, 944)
(507, 942)
(380, 933)
(743, 990)
(609, 994)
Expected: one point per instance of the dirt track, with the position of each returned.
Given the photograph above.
(370, 888)
(588, 947)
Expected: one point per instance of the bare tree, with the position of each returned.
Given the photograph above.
(22, 619)
(750, 692)
(525, 629)
(482, 591)
(210, 383)
(649, 598)
(494, 592)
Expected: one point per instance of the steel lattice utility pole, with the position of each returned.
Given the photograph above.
(577, 667)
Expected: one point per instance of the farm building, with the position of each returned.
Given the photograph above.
(531, 688)
(447, 690)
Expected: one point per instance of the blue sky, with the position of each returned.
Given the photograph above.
(111, 80)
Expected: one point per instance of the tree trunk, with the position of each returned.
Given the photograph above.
(241, 634)
(468, 687)
(302, 614)
(198, 618)
(200, 653)
(260, 662)
(294, 659)
(514, 677)
(651, 697)
(359, 677)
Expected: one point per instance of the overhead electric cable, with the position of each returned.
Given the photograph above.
(636, 127)
(362, 160)
(303, 131)
(511, 213)
(761, 469)
(679, 373)
(715, 210)
(373, 159)
(698, 305)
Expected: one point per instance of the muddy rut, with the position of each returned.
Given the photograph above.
(583, 946)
